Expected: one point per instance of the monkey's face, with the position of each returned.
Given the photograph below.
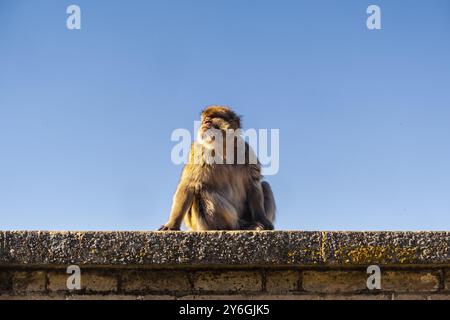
(216, 120)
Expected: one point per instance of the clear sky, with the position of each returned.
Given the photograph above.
(86, 115)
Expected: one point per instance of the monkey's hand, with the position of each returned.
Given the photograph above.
(167, 227)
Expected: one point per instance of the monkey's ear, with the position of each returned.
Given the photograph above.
(238, 121)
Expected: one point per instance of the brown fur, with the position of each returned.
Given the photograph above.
(221, 196)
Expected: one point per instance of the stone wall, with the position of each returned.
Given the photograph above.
(224, 265)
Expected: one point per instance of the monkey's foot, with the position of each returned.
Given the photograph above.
(256, 226)
(167, 228)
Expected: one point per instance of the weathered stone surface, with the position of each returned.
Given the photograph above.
(5, 281)
(90, 281)
(407, 281)
(228, 265)
(155, 280)
(63, 296)
(99, 282)
(3, 255)
(57, 281)
(30, 296)
(228, 281)
(28, 282)
(113, 297)
(359, 297)
(404, 296)
(282, 281)
(299, 296)
(334, 281)
(268, 248)
(363, 248)
(447, 280)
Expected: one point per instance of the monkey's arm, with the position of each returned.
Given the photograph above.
(255, 198)
(182, 201)
(257, 210)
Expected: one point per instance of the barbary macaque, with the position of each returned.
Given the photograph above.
(221, 186)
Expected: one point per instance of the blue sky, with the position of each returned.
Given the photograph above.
(86, 115)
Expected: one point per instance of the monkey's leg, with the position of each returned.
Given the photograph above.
(269, 201)
(182, 202)
(256, 203)
(213, 211)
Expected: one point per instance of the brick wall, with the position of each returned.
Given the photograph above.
(224, 265)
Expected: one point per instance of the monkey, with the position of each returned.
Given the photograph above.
(227, 194)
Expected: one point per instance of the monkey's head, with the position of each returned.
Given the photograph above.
(215, 118)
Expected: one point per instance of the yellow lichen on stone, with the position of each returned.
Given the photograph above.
(323, 247)
(376, 254)
(316, 255)
(142, 253)
(291, 257)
